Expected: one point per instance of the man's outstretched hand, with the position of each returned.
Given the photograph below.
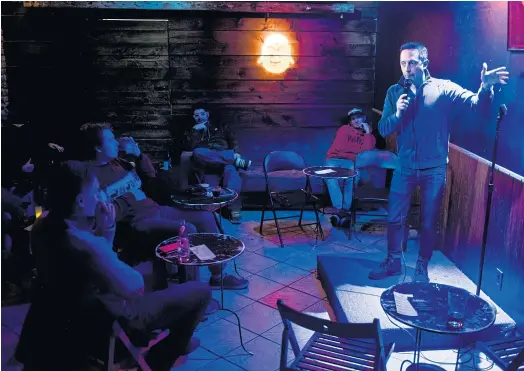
(55, 147)
(496, 76)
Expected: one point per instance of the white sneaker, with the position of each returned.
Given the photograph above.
(242, 164)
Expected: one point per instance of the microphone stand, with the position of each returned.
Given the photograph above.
(502, 111)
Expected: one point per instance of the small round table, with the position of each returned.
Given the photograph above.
(224, 247)
(328, 172)
(187, 200)
(430, 304)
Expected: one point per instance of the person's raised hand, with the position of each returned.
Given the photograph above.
(105, 215)
(55, 147)
(496, 76)
(199, 127)
(28, 167)
(402, 105)
(366, 128)
(129, 146)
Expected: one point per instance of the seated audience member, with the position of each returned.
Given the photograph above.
(76, 266)
(350, 139)
(215, 150)
(125, 184)
(13, 215)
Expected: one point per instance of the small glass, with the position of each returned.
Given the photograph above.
(206, 187)
(457, 304)
(216, 191)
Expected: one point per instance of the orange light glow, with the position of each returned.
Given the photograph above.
(276, 54)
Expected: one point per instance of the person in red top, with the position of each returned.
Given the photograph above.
(350, 140)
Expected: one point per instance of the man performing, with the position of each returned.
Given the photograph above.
(419, 109)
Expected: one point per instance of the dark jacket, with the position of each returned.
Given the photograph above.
(423, 130)
(64, 313)
(219, 137)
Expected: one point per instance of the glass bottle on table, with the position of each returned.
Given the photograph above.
(183, 250)
(167, 161)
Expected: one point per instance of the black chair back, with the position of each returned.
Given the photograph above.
(361, 331)
(283, 160)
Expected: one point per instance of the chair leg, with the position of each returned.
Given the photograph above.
(319, 224)
(300, 218)
(262, 219)
(135, 352)
(276, 223)
(111, 355)
(352, 218)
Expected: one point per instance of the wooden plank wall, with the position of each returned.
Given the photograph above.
(132, 90)
(144, 76)
(48, 70)
(462, 223)
(5, 98)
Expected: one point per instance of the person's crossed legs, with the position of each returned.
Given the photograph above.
(225, 163)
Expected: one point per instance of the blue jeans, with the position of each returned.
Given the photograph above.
(432, 184)
(215, 161)
(340, 190)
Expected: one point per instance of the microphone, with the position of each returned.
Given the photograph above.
(407, 85)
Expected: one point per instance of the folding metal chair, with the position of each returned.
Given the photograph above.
(279, 162)
(333, 346)
(508, 354)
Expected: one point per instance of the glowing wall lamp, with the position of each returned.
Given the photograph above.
(276, 54)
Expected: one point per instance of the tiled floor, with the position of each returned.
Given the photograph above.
(274, 273)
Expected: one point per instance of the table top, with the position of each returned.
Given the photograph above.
(225, 248)
(337, 172)
(430, 301)
(196, 201)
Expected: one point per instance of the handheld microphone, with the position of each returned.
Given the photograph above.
(407, 85)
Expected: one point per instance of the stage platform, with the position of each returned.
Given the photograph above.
(354, 298)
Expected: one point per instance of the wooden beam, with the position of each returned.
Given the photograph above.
(221, 6)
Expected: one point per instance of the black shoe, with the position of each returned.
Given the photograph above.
(421, 271)
(335, 220)
(242, 164)
(230, 283)
(389, 267)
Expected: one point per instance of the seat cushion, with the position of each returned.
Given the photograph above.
(371, 194)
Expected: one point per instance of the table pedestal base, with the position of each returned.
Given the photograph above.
(230, 311)
(424, 367)
(239, 330)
